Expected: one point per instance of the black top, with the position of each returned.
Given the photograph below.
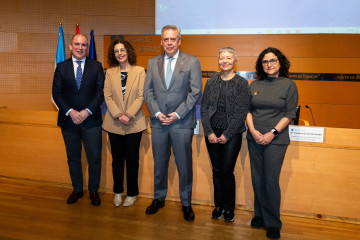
(236, 94)
(124, 76)
(219, 119)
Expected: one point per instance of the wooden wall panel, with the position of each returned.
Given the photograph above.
(327, 92)
(29, 33)
(29, 36)
(316, 179)
(325, 65)
(92, 8)
(43, 16)
(8, 42)
(334, 103)
(312, 45)
(41, 102)
(301, 46)
(9, 84)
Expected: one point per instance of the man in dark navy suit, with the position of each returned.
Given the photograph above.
(78, 92)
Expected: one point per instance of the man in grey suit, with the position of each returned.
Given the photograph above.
(173, 85)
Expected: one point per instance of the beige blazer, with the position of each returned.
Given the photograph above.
(130, 106)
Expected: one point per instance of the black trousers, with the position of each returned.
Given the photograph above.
(125, 148)
(266, 162)
(223, 159)
(92, 139)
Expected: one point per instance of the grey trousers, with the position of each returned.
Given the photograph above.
(180, 140)
(266, 162)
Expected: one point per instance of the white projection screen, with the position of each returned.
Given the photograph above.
(259, 16)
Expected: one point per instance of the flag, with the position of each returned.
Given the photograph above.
(77, 31)
(92, 55)
(60, 52)
(92, 50)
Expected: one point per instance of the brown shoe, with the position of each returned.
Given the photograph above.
(74, 196)
(95, 198)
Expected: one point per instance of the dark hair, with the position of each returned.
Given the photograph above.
(283, 61)
(112, 61)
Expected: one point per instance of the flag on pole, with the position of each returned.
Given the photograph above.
(60, 52)
(77, 31)
(92, 55)
(92, 50)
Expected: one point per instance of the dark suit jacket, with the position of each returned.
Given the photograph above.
(183, 92)
(90, 95)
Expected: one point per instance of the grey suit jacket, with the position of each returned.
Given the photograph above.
(181, 96)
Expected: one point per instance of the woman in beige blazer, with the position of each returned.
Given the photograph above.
(124, 120)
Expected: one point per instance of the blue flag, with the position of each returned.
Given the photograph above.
(92, 55)
(60, 52)
(92, 50)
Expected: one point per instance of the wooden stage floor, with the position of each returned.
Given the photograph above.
(38, 210)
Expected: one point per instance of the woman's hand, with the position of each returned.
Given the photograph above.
(124, 120)
(256, 135)
(212, 138)
(222, 139)
(267, 138)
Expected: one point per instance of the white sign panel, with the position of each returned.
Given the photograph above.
(306, 134)
(197, 128)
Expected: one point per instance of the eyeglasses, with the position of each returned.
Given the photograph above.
(122, 50)
(271, 61)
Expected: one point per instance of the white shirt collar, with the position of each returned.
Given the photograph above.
(174, 57)
(74, 59)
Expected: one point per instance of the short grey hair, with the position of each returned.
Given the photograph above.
(172, 27)
(229, 50)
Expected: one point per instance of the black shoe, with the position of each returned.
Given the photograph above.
(189, 214)
(74, 196)
(155, 206)
(229, 216)
(217, 213)
(95, 198)
(273, 233)
(257, 222)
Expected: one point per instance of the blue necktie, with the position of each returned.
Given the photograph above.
(78, 74)
(168, 73)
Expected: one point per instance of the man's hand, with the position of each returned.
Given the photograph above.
(84, 114)
(76, 117)
(161, 117)
(171, 118)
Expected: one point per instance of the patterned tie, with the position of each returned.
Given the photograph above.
(78, 74)
(168, 73)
